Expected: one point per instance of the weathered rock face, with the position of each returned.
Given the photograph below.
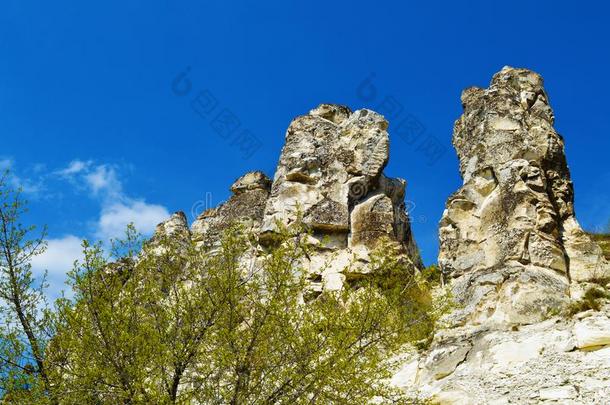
(331, 159)
(555, 360)
(511, 248)
(175, 226)
(509, 239)
(330, 173)
(246, 206)
(513, 254)
(603, 240)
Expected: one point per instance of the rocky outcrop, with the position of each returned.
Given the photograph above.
(511, 249)
(245, 206)
(331, 161)
(514, 256)
(330, 177)
(330, 174)
(555, 360)
(509, 239)
(176, 226)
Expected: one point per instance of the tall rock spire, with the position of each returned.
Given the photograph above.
(509, 239)
(331, 160)
(331, 173)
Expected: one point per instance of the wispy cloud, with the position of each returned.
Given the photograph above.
(75, 167)
(57, 260)
(102, 183)
(117, 208)
(30, 186)
(103, 180)
(114, 218)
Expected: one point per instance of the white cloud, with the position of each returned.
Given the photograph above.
(117, 210)
(100, 180)
(61, 253)
(59, 256)
(115, 217)
(57, 260)
(75, 167)
(103, 179)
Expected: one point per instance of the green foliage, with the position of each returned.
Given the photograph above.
(168, 322)
(25, 321)
(409, 290)
(432, 274)
(181, 325)
(591, 300)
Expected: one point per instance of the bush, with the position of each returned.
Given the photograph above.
(591, 300)
(176, 324)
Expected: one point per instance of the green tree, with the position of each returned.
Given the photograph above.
(178, 324)
(103, 342)
(26, 323)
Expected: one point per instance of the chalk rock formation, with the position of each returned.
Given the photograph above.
(514, 255)
(509, 239)
(330, 161)
(175, 226)
(554, 361)
(330, 173)
(245, 206)
(511, 249)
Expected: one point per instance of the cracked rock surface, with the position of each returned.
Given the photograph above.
(511, 249)
(514, 256)
(330, 172)
(509, 239)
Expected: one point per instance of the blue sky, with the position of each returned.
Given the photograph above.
(91, 126)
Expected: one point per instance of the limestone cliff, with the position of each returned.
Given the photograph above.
(509, 238)
(511, 249)
(517, 260)
(330, 173)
